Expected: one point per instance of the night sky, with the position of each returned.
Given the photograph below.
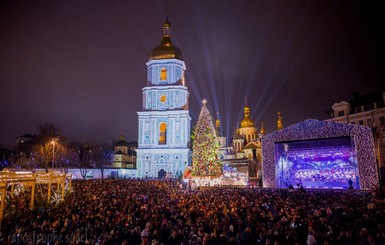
(81, 64)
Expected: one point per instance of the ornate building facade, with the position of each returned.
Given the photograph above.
(247, 141)
(124, 154)
(367, 110)
(164, 123)
(244, 152)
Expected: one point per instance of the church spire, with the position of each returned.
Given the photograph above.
(218, 126)
(279, 121)
(217, 122)
(167, 28)
(262, 129)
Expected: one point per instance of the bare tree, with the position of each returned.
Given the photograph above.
(66, 156)
(87, 157)
(48, 130)
(94, 155)
(47, 147)
(72, 158)
(104, 157)
(48, 151)
(23, 161)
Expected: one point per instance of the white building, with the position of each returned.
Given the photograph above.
(164, 123)
(367, 110)
(124, 154)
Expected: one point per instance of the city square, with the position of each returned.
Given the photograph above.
(261, 129)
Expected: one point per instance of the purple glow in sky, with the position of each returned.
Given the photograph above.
(81, 64)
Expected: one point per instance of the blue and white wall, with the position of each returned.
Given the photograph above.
(164, 124)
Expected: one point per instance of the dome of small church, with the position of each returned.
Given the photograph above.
(246, 121)
(166, 50)
(122, 141)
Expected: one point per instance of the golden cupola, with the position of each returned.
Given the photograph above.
(246, 121)
(279, 121)
(166, 50)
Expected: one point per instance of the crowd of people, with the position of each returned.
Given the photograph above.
(143, 212)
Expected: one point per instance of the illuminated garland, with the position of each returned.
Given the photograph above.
(205, 157)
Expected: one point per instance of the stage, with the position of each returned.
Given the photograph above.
(320, 154)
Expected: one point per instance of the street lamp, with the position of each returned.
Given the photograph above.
(53, 152)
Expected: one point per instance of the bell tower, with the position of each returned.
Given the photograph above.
(164, 122)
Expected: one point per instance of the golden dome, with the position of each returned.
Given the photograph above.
(166, 50)
(246, 121)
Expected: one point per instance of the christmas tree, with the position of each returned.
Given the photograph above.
(205, 157)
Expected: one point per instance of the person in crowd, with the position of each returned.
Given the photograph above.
(350, 182)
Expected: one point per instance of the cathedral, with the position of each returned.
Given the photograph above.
(246, 142)
(245, 150)
(164, 123)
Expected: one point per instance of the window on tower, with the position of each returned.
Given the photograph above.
(163, 74)
(162, 133)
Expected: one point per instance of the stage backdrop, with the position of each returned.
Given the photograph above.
(362, 163)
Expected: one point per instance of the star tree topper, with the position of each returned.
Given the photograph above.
(204, 101)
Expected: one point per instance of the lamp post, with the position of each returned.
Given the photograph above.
(132, 161)
(53, 152)
(132, 164)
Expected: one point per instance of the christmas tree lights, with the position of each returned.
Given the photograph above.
(205, 156)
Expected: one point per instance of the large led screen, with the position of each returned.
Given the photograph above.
(235, 175)
(317, 163)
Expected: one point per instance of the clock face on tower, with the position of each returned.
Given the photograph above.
(163, 98)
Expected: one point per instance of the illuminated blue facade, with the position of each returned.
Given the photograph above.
(164, 123)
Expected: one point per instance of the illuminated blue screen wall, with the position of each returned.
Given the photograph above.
(318, 163)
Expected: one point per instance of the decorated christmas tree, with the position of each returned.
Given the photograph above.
(205, 156)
